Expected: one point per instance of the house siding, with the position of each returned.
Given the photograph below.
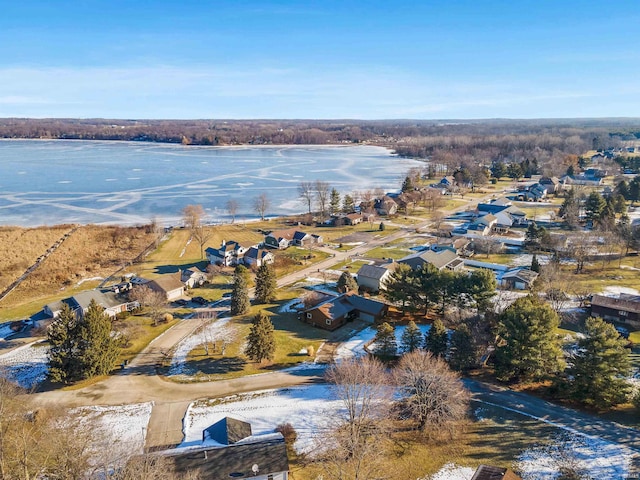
(615, 315)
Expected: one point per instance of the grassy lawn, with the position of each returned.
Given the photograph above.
(141, 331)
(291, 337)
(497, 439)
(389, 251)
(294, 259)
(596, 279)
(351, 265)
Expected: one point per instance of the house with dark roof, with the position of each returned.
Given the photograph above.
(229, 254)
(373, 277)
(487, 472)
(385, 206)
(193, 277)
(352, 218)
(552, 184)
(111, 302)
(441, 260)
(456, 244)
(624, 308)
(518, 279)
(334, 312)
(282, 239)
(229, 451)
(258, 257)
(169, 285)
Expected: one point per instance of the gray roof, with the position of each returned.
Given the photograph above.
(166, 283)
(365, 305)
(523, 274)
(235, 461)
(438, 259)
(256, 253)
(373, 271)
(227, 431)
(105, 299)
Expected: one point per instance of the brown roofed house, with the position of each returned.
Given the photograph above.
(624, 308)
(170, 285)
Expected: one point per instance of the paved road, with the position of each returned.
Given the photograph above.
(553, 414)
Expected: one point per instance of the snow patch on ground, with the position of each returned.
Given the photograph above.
(309, 409)
(354, 347)
(292, 306)
(629, 267)
(591, 457)
(27, 365)
(524, 260)
(117, 431)
(452, 472)
(216, 331)
(617, 290)
(92, 279)
(5, 330)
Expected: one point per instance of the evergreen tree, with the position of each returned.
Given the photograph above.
(535, 265)
(411, 338)
(532, 347)
(385, 340)
(261, 342)
(514, 171)
(239, 294)
(407, 185)
(436, 339)
(346, 283)
(594, 206)
(498, 170)
(98, 349)
(334, 201)
(381, 227)
(532, 237)
(481, 287)
(62, 336)
(462, 351)
(600, 366)
(623, 190)
(265, 284)
(401, 287)
(634, 189)
(348, 205)
(243, 271)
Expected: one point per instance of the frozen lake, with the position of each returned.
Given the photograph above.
(65, 181)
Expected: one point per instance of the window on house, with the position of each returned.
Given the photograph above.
(622, 313)
(309, 316)
(328, 320)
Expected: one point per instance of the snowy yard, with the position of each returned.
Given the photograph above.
(27, 365)
(116, 431)
(354, 347)
(216, 331)
(310, 409)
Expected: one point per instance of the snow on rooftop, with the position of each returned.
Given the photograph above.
(27, 365)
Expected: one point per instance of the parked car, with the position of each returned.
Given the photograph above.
(200, 300)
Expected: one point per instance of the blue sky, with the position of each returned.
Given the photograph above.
(319, 59)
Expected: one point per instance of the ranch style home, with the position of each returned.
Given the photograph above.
(282, 239)
(169, 285)
(624, 309)
(112, 303)
(334, 312)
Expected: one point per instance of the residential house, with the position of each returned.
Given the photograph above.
(169, 285)
(258, 257)
(352, 219)
(193, 277)
(581, 180)
(458, 245)
(625, 308)
(518, 279)
(506, 214)
(229, 451)
(449, 182)
(487, 472)
(372, 278)
(229, 254)
(385, 206)
(441, 260)
(282, 239)
(483, 225)
(552, 184)
(336, 311)
(111, 302)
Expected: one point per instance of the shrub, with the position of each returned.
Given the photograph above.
(167, 317)
(288, 432)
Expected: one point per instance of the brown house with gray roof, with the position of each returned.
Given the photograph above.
(624, 309)
(336, 311)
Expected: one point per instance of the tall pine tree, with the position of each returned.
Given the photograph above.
(63, 353)
(532, 347)
(261, 342)
(265, 284)
(436, 339)
(334, 201)
(239, 294)
(600, 366)
(385, 340)
(98, 348)
(411, 338)
(462, 351)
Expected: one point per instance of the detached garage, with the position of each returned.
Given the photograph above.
(170, 285)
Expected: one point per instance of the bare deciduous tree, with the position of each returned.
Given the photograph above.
(155, 302)
(305, 190)
(232, 208)
(322, 191)
(192, 215)
(433, 394)
(356, 437)
(261, 204)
